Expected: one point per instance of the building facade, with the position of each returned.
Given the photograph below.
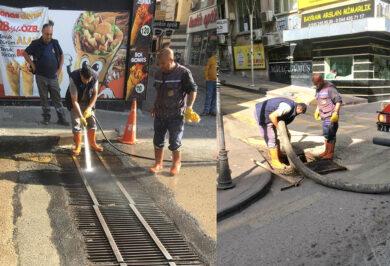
(201, 32)
(346, 41)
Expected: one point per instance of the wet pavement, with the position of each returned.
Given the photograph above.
(189, 198)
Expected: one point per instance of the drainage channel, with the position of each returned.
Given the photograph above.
(122, 226)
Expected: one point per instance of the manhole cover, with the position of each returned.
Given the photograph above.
(325, 166)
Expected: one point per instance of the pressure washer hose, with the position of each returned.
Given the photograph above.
(327, 180)
(140, 156)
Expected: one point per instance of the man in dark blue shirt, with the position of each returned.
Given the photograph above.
(46, 65)
(176, 94)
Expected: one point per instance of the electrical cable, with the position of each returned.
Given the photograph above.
(140, 156)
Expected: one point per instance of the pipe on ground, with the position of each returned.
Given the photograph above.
(381, 141)
(327, 180)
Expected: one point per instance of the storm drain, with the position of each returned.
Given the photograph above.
(120, 223)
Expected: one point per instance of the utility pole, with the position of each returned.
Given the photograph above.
(250, 13)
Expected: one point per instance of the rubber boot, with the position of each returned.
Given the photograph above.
(176, 163)
(77, 144)
(275, 162)
(329, 155)
(325, 151)
(92, 141)
(158, 156)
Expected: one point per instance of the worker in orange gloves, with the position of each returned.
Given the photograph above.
(328, 108)
(176, 94)
(80, 100)
(268, 114)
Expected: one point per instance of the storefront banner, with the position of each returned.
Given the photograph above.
(18, 27)
(339, 14)
(382, 9)
(242, 57)
(98, 38)
(304, 4)
(140, 45)
(205, 19)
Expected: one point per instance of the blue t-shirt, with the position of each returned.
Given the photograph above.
(45, 58)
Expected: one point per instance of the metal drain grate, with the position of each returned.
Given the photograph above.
(168, 234)
(134, 242)
(120, 223)
(97, 245)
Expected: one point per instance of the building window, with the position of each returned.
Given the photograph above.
(338, 68)
(284, 6)
(243, 15)
(200, 4)
(382, 67)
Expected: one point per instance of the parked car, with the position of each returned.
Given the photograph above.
(383, 122)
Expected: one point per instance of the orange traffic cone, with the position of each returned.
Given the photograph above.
(129, 135)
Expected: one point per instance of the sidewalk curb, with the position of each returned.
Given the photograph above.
(258, 190)
(255, 90)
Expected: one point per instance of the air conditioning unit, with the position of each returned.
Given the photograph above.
(267, 16)
(272, 39)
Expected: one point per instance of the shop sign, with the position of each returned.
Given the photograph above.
(242, 57)
(304, 4)
(202, 20)
(222, 26)
(339, 14)
(164, 24)
(297, 73)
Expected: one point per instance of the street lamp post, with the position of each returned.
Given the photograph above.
(224, 174)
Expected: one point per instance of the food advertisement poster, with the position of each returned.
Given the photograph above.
(98, 38)
(242, 57)
(140, 45)
(18, 27)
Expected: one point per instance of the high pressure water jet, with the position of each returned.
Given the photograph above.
(87, 152)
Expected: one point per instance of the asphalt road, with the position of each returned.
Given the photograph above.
(316, 225)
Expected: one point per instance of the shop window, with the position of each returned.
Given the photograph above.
(338, 68)
(382, 68)
(243, 15)
(284, 6)
(201, 45)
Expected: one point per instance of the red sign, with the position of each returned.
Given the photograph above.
(203, 18)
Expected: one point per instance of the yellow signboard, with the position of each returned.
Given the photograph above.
(304, 4)
(242, 57)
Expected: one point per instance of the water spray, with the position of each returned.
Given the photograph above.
(87, 152)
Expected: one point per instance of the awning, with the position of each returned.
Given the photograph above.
(336, 29)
